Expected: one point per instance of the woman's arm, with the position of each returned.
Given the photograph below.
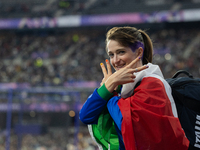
(114, 111)
(94, 105)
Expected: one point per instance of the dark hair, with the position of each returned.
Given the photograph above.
(126, 36)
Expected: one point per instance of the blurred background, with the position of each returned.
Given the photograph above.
(50, 51)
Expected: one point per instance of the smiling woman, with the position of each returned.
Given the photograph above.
(124, 115)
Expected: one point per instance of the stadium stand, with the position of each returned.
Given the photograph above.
(54, 8)
(54, 57)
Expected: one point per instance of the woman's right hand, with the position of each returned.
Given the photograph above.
(106, 72)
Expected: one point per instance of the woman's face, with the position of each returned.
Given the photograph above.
(120, 56)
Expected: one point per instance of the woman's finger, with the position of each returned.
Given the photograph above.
(141, 68)
(108, 67)
(103, 68)
(133, 76)
(133, 62)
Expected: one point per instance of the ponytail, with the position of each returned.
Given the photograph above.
(148, 48)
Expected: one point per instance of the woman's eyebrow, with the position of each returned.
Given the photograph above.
(117, 50)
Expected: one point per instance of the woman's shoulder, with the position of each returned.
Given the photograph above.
(151, 81)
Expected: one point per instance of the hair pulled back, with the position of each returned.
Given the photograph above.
(127, 36)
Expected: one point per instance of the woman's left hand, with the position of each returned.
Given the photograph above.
(123, 76)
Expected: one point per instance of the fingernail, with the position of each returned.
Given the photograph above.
(147, 66)
(101, 64)
(139, 57)
(106, 60)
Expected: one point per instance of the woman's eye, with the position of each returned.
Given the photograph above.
(110, 55)
(121, 52)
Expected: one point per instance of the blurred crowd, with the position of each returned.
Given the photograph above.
(52, 8)
(54, 139)
(56, 8)
(52, 59)
(177, 49)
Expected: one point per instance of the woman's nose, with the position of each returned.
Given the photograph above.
(115, 59)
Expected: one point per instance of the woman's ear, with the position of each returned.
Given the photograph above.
(139, 52)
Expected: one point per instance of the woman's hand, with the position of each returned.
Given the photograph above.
(107, 73)
(122, 76)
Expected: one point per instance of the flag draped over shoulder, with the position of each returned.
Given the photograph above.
(148, 121)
